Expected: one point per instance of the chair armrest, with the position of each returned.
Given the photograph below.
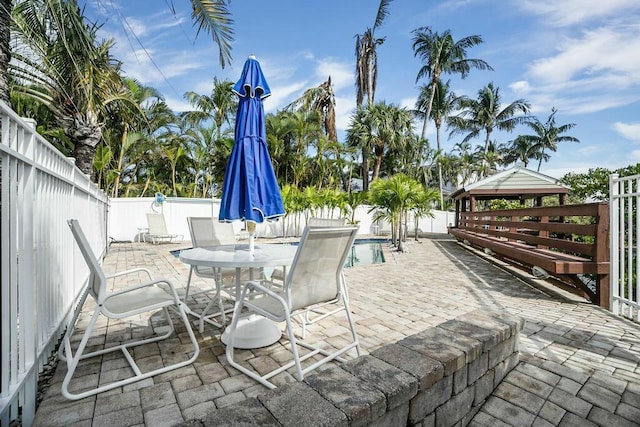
(147, 284)
(259, 287)
(262, 289)
(133, 270)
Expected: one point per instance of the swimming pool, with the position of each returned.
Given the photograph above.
(366, 252)
(363, 252)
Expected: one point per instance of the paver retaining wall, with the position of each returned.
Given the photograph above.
(440, 376)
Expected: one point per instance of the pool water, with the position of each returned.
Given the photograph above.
(363, 252)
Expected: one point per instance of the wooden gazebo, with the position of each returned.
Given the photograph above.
(563, 241)
(517, 183)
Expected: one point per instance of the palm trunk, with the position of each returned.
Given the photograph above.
(85, 133)
(376, 168)
(428, 112)
(84, 152)
(539, 161)
(440, 185)
(400, 243)
(365, 170)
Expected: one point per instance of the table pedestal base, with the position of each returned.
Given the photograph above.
(253, 332)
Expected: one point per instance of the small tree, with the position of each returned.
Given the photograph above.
(394, 196)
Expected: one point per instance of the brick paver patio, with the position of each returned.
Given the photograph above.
(579, 363)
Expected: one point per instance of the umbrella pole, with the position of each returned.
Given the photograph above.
(251, 228)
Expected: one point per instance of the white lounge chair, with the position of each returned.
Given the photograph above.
(208, 231)
(152, 295)
(315, 278)
(157, 232)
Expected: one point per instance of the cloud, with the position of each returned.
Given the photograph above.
(345, 106)
(283, 95)
(598, 69)
(596, 54)
(178, 105)
(630, 131)
(520, 88)
(341, 73)
(571, 12)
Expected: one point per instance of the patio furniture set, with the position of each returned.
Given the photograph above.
(313, 278)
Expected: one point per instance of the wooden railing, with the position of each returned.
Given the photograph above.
(568, 242)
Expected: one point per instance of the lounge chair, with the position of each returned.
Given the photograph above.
(315, 278)
(158, 230)
(152, 295)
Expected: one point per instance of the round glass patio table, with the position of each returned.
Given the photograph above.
(253, 331)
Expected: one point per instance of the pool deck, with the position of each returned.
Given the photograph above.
(579, 364)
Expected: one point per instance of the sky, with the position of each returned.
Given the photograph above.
(580, 56)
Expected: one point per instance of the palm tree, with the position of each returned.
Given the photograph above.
(522, 150)
(440, 54)
(65, 68)
(392, 197)
(547, 136)
(219, 106)
(367, 57)
(126, 128)
(210, 16)
(485, 114)
(213, 17)
(322, 100)
(442, 104)
(377, 128)
(367, 71)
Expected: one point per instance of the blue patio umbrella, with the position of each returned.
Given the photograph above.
(250, 191)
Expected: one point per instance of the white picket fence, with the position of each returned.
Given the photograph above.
(41, 270)
(625, 245)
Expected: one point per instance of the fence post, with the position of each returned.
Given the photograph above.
(615, 274)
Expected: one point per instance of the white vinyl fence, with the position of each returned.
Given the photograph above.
(127, 219)
(41, 270)
(625, 245)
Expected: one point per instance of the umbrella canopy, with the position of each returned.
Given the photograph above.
(250, 191)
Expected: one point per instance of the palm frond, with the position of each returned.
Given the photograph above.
(213, 17)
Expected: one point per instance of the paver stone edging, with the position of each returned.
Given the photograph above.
(441, 375)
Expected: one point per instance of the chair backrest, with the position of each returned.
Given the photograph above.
(316, 271)
(97, 279)
(208, 231)
(157, 224)
(326, 222)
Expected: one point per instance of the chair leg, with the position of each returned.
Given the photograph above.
(74, 359)
(294, 346)
(352, 325)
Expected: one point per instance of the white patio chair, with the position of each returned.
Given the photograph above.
(208, 231)
(326, 222)
(157, 232)
(315, 277)
(278, 274)
(152, 295)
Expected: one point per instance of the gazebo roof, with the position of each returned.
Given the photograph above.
(517, 182)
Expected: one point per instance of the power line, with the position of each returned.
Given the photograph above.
(126, 25)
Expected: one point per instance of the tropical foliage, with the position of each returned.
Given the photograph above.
(124, 134)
